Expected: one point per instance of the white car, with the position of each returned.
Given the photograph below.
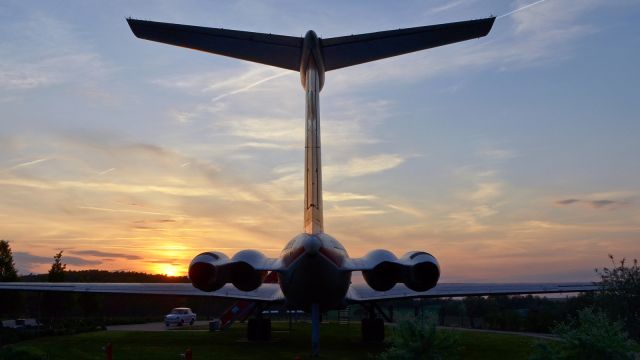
(180, 316)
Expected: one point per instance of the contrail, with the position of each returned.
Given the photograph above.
(127, 211)
(29, 163)
(248, 87)
(520, 9)
(106, 171)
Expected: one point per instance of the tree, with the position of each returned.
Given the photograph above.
(590, 336)
(56, 274)
(7, 266)
(619, 294)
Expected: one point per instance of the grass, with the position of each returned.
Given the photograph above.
(479, 345)
(337, 342)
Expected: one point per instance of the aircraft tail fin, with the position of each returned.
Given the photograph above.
(286, 51)
(275, 50)
(340, 52)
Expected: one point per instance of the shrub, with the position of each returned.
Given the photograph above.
(420, 340)
(592, 335)
(619, 294)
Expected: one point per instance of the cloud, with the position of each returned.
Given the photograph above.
(602, 203)
(594, 204)
(544, 33)
(360, 166)
(26, 262)
(486, 191)
(496, 154)
(470, 220)
(355, 211)
(345, 196)
(55, 54)
(567, 201)
(106, 171)
(128, 211)
(245, 77)
(448, 5)
(98, 253)
(407, 210)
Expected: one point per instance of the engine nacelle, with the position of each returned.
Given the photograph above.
(210, 271)
(385, 274)
(244, 275)
(422, 270)
(418, 270)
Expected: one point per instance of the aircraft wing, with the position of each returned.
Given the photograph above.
(266, 292)
(363, 293)
(271, 292)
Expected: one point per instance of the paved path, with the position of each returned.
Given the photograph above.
(156, 326)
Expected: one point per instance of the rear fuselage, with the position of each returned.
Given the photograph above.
(313, 272)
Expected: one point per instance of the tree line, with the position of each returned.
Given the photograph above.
(59, 273)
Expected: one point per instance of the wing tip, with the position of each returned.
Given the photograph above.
(488, 22)
(135, 25)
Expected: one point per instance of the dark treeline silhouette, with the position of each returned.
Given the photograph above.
(104, 276)
(509, 313)
(52, 307)
(512, 313)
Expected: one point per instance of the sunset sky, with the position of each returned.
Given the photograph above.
(514, 157)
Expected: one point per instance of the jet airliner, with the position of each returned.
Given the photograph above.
(314, 270)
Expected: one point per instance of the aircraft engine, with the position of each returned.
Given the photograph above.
(421, 270)
(209, 271)
(418, 270)
(244, 275)
(386, 273)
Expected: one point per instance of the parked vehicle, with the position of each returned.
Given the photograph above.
(20, 323)
(180, 316)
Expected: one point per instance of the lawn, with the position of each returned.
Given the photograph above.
(337, 342)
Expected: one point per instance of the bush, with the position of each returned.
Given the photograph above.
(619, 294)
(591, 336)
(420, 340)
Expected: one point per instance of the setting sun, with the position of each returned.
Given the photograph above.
(168, 269)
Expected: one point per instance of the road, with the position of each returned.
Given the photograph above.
(156, 326)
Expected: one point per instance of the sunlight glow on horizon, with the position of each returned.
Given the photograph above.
(169, 270)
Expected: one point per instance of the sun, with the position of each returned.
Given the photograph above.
(168, 269)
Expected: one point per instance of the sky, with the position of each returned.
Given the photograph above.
(509, 158)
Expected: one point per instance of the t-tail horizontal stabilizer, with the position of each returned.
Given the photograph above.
(286, 51)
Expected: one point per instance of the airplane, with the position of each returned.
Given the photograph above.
(313, 272)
